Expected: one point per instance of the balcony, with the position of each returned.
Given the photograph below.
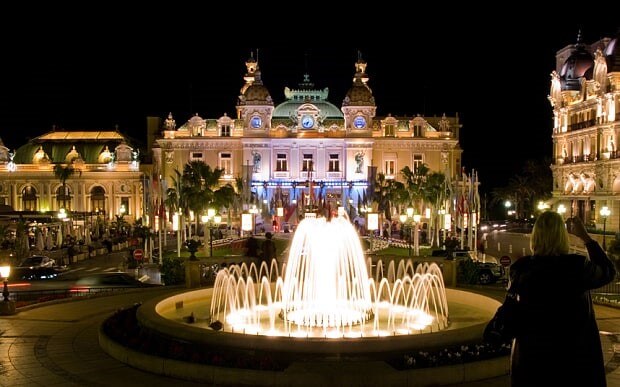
(281, 174)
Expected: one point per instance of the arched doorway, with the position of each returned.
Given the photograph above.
(63, 198)
(97, 199)
(29, 198)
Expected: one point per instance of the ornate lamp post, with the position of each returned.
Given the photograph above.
(5, 271)
(6, 306)
(416, 235)
(605, 212)
(372, 224)
(403, 221)
(214, 222)
(175, 227)
(561, 210)
(413, 229)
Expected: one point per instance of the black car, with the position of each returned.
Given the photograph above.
(37, 267)
(473, 271)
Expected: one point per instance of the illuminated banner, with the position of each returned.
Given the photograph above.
(447, 221)
(175, 222)
(373, 221)
(246, 222)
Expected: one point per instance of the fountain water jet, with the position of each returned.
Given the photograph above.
(328, 291)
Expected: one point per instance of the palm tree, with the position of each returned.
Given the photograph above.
(387, 193)
(434, 192)
(63, 173)
(202, 188)
(414, 184)
(175, 196)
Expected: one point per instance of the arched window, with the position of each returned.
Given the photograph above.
(29, 199)
(63, 197)
(97, 199)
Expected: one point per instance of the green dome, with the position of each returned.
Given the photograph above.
(296, 98)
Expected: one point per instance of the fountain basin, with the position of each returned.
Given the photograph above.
(469, 313)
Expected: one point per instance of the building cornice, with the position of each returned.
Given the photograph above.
(415, 144)
(195, 143)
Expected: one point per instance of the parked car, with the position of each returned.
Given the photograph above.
(475, 271)
(103, 282)
(489, 272)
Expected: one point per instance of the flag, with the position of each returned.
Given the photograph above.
(311, 193)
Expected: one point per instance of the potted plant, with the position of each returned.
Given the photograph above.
(192, 246)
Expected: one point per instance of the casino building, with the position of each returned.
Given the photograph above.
(585, 96)
(305, 149)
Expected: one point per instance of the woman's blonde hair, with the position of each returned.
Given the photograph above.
(549, 235)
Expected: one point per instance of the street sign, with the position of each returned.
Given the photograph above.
(138, 254)
(505, 260)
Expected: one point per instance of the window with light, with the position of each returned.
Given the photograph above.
(226, 163)
(334, 163)
(306, 164)
(281, 162)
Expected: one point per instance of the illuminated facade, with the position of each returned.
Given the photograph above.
(585, 96)
(107, 174)
(306, 149)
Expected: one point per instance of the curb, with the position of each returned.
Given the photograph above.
(309, 373)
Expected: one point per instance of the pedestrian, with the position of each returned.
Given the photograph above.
(268, 248)
(557, 342)
(251, 246)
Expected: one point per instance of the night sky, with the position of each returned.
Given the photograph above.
(499, 89)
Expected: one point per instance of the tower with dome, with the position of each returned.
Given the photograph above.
(585, 97)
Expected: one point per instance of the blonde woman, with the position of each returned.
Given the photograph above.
(558, 341)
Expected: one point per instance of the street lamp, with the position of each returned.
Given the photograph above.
(542, 206)
(416, 235)
(7, 307)
(605, 212)
(403, 221)
(413, 229)
(561, 210)
(214, 222)
(62, 214)
(175, 227)
(372, 224)
(5, 271)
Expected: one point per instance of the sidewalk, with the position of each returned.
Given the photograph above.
(57, 345)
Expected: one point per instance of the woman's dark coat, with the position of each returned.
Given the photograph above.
(558, 341)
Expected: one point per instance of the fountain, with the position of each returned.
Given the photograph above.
(328, 291)
(326, 308)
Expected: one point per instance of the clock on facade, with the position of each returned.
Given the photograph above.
(359, 122)
(307, 121)
(256, 122)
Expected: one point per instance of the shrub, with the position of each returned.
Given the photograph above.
(173, 271)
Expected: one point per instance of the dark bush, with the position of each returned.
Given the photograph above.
(173, 271)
